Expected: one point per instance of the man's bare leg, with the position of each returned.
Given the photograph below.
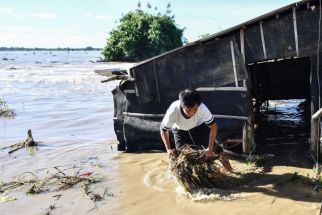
(225, 162)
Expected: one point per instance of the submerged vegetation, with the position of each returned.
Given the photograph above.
(141, 35)
(5, 111)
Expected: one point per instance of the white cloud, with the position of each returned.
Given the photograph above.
(44, 15)
(10, 12)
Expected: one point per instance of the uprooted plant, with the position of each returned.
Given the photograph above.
(29, 142)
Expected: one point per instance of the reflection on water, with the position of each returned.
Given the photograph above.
(282, 127)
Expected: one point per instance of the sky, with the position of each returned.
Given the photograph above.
(82, 23)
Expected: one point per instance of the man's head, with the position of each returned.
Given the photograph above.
(189, 101)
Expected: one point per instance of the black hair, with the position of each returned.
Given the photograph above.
(189, 98)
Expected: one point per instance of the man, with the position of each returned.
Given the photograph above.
(191, 123)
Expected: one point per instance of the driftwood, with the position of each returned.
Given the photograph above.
(29, 142)
(116, 77)
(194, 172)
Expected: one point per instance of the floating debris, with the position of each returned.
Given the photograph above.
(60, 180)
(5, 111)
(5, 198)
(29, 142)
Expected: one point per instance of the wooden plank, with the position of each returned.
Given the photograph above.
(263, 38)
(162, 115)
(315, 133)
(295, 31)
(242, 42)
(205, 89)
(156, 81)
(110, 72)
(234, 62)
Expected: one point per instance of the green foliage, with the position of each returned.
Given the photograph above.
(203, 36)
(141, 35)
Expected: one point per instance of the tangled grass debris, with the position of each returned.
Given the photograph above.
(5, 111)
(55, 179)
(193, 172)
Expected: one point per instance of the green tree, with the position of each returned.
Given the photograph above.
(141, 35)
(203, 36)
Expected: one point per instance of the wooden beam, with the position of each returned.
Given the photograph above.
(156, 82)
(234, 62)
(244, 143)
(263, 38)
(242, 42)
(135, 87)
(205, 89)
(295, 31)
(315, 133)
(243, 118)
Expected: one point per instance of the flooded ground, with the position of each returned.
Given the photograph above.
(62, 101)
(283, 129)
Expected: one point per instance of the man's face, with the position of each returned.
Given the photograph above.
(190, 111)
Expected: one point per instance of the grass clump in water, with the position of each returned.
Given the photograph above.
(5, 111)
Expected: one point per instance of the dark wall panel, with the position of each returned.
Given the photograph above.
(235, 103)
(279, 37)
(307, 24)
(253, 44)
(208, 65)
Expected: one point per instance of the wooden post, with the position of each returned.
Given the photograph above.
(245, 138)
(156, 82)
(295, 31)
(315, 107)
(315, 134)
(242, 42)
(248, 135)
(248, 128)
(263, 38)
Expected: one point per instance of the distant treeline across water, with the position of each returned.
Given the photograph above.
(89, 48)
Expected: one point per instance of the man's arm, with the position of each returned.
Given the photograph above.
(166, 140)
(212, 140)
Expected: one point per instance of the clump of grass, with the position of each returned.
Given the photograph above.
(194, 172)
(317, 169)
(5, 111)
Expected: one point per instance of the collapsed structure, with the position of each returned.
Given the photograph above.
(274, 56)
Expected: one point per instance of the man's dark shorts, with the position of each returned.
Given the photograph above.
(198, 137)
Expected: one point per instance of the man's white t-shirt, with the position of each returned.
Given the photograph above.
(174, 117)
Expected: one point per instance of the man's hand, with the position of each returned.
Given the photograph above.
(172, 152)
(209, 154)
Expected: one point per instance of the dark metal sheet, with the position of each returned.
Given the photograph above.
(279, 37)
(208, 65)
